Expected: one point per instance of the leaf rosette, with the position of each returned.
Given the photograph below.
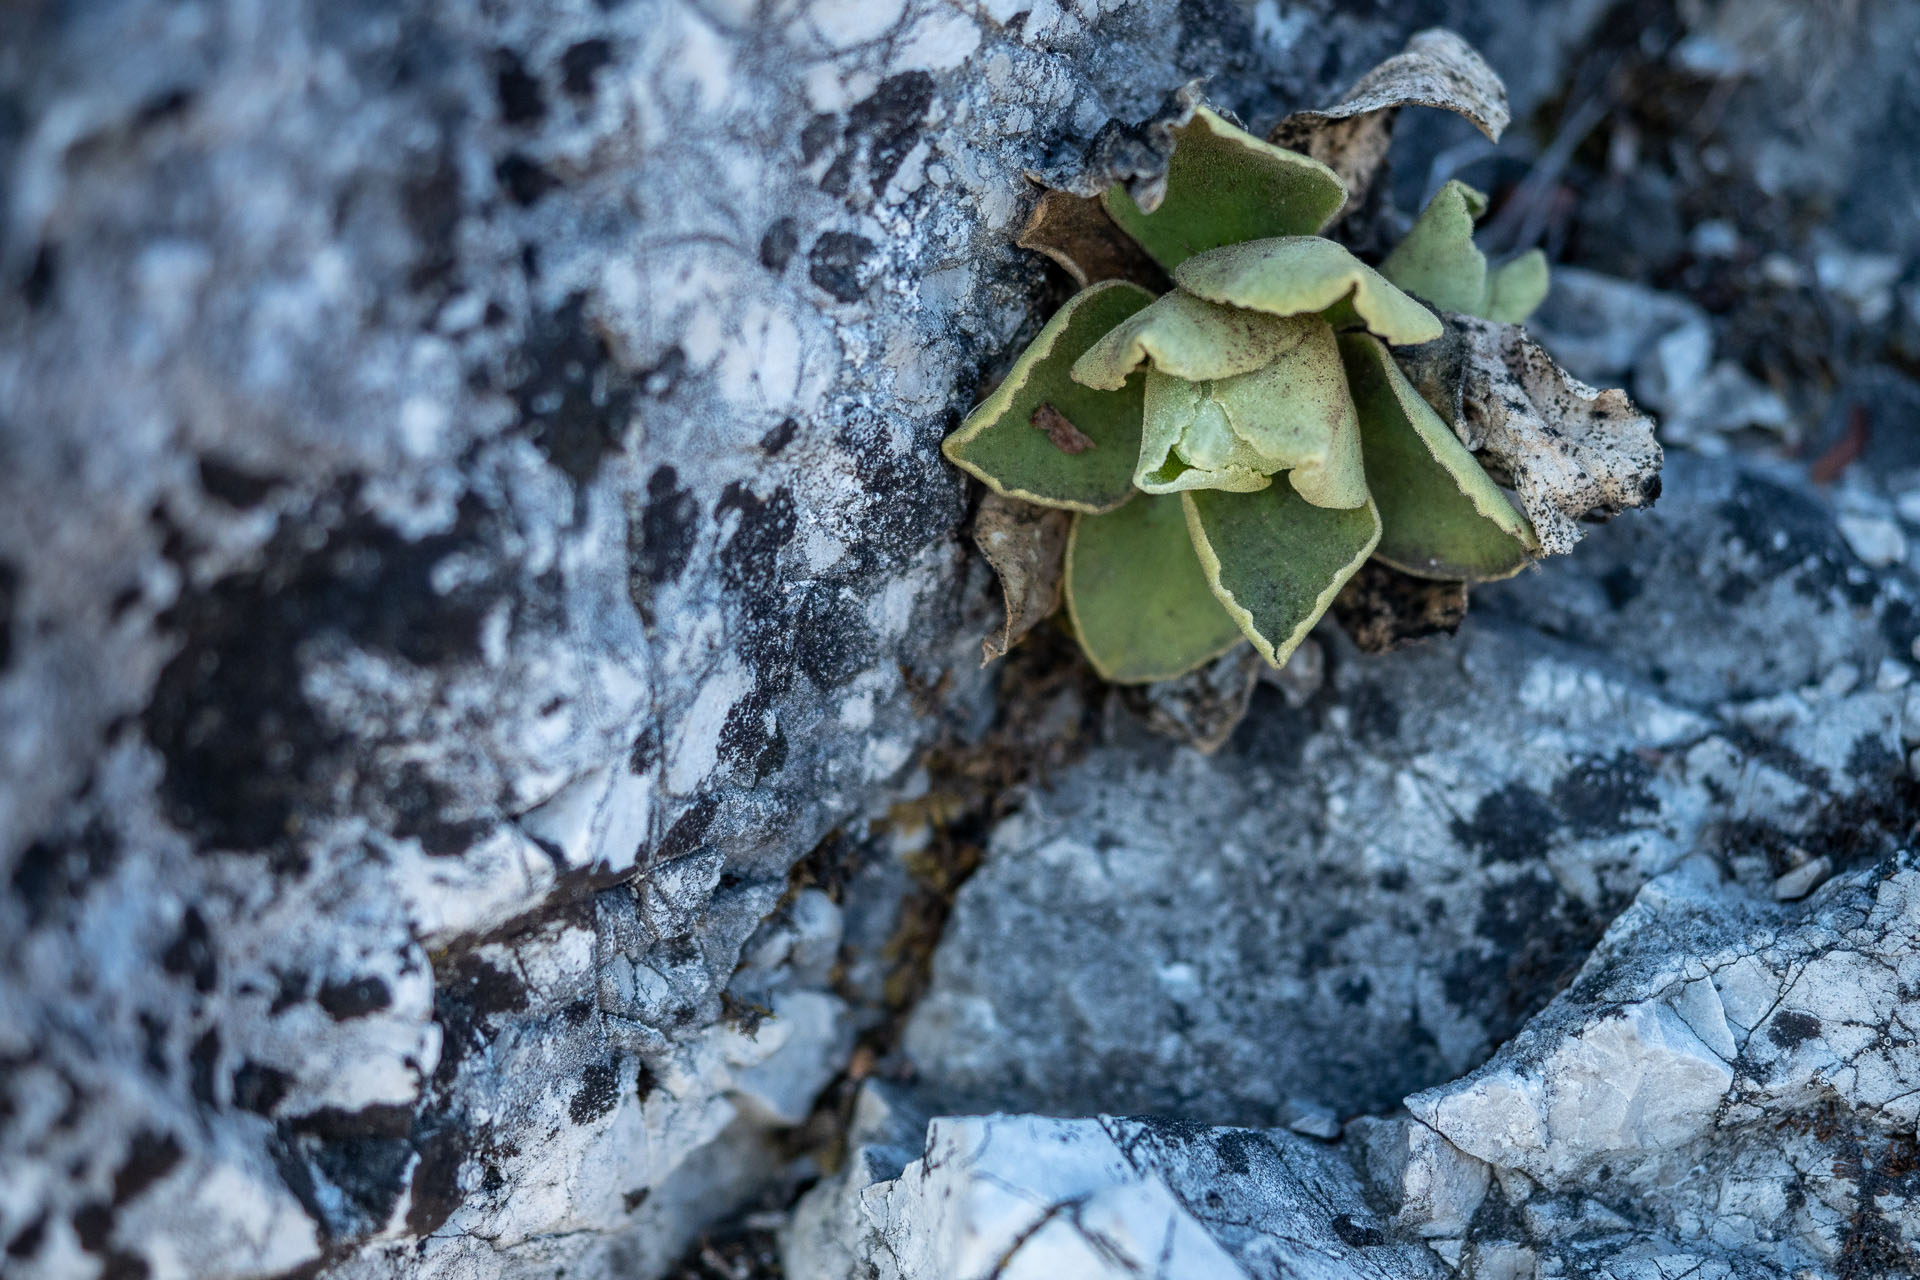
(1235, 449)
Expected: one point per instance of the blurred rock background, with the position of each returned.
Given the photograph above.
(494, 779)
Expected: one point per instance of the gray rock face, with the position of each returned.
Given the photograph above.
(1357, 900)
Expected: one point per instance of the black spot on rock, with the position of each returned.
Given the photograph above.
(235, 486)
(833, 642)
(1375, 717)
(581, 63)
(433, 200)
(573, 401)
(1512, 824)
(355, 998)
(750, 570)
(1601, 797)
(436, 1179)
(660, 538)
(1784, 530)
(166, 105)
(1356, 1235)
(688, 830)
(751, 738)
(598, 1093)
(467, 994)
(191, 952)
(9, 599)
(247, 758)
(150, 1157)
(1274, 733)
(889, 120)
(259, 1088)
(27, 1241)
(838, 264)
(779, 438)
(815, 136)
(521, 101)
(1791, 1029)
(203, 1063)
(93, 1225)
(779, 244)
(54, 873)
(524, 180)
(37, 287)
(119, 1265)
(370, 1173)
(1621, 585)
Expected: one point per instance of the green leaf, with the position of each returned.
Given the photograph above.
(1438, 259)
(1223, 186)
(1298, 416)
(1187, 442)
(1137, 597)
(1439, 262)
(1295, 275)
(1275, 560)
(1187, 337)
(1006, 441)
(1441, 515)
(1517, 288)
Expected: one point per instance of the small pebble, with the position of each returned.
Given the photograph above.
(1802, 880)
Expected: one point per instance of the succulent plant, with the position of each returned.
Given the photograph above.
(1235, 449)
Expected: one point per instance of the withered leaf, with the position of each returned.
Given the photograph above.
(1066, 437)
(1383, 609)
(1076, 232)
(1203, 707)
(1027, 546)
(1570, 452)
(1436, 69)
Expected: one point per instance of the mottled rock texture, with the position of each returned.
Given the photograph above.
(471, 525)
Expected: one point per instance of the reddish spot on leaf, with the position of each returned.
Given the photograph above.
(1066, 437)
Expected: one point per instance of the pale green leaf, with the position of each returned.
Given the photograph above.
(1296, 275)
(1438, 260)
(1275, 560)
(1137, 597)
(1186, 441)
(1005, 442)
(1187, 337)
(1441, 515)
(1298, 416)
(1223, 186)
(1516, 289)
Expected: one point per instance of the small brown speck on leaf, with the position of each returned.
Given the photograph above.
(1066, 437)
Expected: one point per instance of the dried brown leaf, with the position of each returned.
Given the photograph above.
(1027, 547)
(1572, 453)
(1382, 609)
(1076, 232)
(1436, 69)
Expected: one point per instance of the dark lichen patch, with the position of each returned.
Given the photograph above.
(1790, 1029)
(353, 998)
(889, 121)
(524, 179)
(469, 992)
(833, 642)
(248, 759)
(9, 604)
(1535, 938)
(1512, 824)
(521, 101)
(687, 831)
(660, 538)
(1783, 531)
(151, 1156)
(53, 873)
(191, 953)
(839, 264)
(235, 486)
(436, 1193)
(259, 1088)
(43, 274)
(26, 1242)
(1274, 733)
(1600, 797)
(573, 401)
(203, 1068)
(581, 63)
(369, 1172)
(779, 244)
(597, 1093)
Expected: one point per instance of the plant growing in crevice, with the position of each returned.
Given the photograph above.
(1233, 450)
